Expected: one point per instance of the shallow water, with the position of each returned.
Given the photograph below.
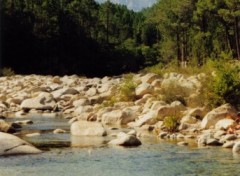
(94, 157)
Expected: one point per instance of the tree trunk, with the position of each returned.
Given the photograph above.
(228, 38)
(237, 37)
(178, 49)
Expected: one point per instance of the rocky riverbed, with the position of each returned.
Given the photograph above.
(87, 106)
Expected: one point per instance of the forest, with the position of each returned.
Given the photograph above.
(87, 38)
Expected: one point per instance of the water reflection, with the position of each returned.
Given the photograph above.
(83, 141)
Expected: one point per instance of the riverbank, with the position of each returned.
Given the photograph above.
(167, 107)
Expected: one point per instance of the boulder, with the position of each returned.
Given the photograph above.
(183, 143)
(229, 137)
(64, 91)
(228, 144)
(224, 124)
(44, 101)
(150, 118)
(217, 114)
(219, 134)
(57, 80)
(168, 110)
(149, 78)
(104, 87)
(33, 134)
(156, 83)
(5, 127)
(212, 141)
(143, 89)
(85, 128)
(24, 122)
(59, 131)
(69, 80)
(12, 145)
(21, 113)
(85, 116)
(178, 106)
(81, 102)
(196, 112)
(162, 135)
(83, 109)
(2, 117)
(103, 111)
(189, 119)
(91, 92)
(118, 117)
(188, 85)
(124, 139)
(236, 147)
(157, 104)
(204, 139)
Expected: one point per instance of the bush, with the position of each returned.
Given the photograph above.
(225, 85)
(7, 72)
(171, 123)
(127, 89)
(173, 92)
(109, 103)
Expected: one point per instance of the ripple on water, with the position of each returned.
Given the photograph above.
(123, 161)
(92, 157)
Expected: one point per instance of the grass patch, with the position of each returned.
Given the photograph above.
(171, 123)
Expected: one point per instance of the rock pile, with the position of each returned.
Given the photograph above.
(93, 104)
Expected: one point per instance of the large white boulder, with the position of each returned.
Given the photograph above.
(124, 139)
(118, 117)
(143, 89)
(224, 124)
(91, 92)
(81, 102)
(82, 109)
(64, 91)
(196, 112)
(188, 85)
(12, 145)
(44, 101)
(86, 128)
(149, 78)
(150, 118)
(173, 109)
(217, 114)
(189, 119)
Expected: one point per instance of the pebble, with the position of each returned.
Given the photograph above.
(183, 143)
(32, 135)
(58, 131)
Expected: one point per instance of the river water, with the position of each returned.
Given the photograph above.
(69, 156)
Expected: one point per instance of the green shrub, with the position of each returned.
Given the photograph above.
(171, 123)
(6, 71)
(173, 92)
(109, 103)
(223, 86)
(127, 89)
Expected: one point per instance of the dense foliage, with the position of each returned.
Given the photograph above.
(70, 36)
(84, 37)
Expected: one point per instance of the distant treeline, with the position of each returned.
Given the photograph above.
(71, 36)
(84, 37)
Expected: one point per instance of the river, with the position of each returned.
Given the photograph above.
(93, 157)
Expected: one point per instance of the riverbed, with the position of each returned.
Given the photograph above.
(66, 155)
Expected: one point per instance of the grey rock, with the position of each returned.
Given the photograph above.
(12, 145)
(125, 140)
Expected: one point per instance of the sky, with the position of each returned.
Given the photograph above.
(135, 5)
